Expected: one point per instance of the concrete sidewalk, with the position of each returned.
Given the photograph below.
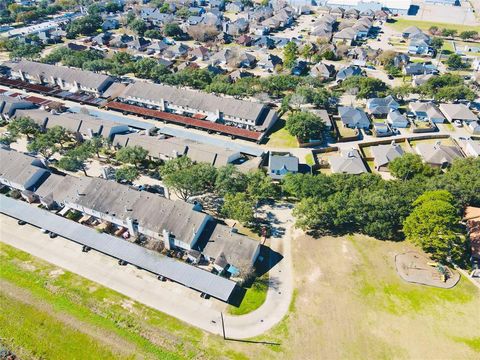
(173, 299)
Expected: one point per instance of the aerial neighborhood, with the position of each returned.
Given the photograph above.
(213, 163)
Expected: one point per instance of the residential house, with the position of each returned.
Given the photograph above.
(351, 13)
(397, 120)
(472, 148)
(269, 62)
(401, 60)
(382, 106)
(420, 45)
(9, 104)
(322, 71)
(348, 162)
(346, 72)
(346, 36)
(438, 155)
(336, 12)
(20, 171)
(110, 24)
(384, 154)
(323, 115)
(66, 78)
(418, 80)
(138, 44)
(200, 53)
(419, 69)
(460, 112)
(427, 111)
(353, 117)
(239, 74)
(244, 40)
(265, 42)
(281, 164)
(234, 7)
(410, 32)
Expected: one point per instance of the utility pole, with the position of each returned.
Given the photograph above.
(223, 327)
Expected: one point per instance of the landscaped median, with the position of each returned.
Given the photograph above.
(254, 297)
(46, 312)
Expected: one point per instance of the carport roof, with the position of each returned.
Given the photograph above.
(149, 260)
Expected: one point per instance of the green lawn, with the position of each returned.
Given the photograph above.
(33, 333)
(254, 297)
(144, 332)
(345, 131)
(280, 137)
(309, 160)
(401, 24)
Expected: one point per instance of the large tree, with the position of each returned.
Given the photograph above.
(433, 225)
(133, 155)
(305, 126)
(408, 166)
(238, 206)
(188, 179)
(126, 173)
(23, 126)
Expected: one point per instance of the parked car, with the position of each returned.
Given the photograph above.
(390, 77)
(21, 222)
(458, 123)
(52, 235)
(44, 231)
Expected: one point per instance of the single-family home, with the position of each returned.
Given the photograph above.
(427, 111)
(269, 62)
(322, 71)
(397, 120)
(459, 112)
(353, 117)
(437, 154)
(382, 106)
(384, 154)
(346, 72)
(348, 162)
(419, 69)
(281, 164)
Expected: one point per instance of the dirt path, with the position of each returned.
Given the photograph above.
(114, 342)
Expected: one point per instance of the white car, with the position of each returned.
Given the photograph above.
(458, 123)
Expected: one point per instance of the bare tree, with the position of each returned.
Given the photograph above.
(203, 32)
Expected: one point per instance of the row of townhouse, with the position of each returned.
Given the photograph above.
(239, 113)
(177, 224)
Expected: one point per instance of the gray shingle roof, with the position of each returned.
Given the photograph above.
(87, 79)
(348, 162)
(149, 260)
(383, 154)
(195, 100)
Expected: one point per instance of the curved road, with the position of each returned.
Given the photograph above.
(170, 298)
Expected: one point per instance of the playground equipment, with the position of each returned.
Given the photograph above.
(442, 270)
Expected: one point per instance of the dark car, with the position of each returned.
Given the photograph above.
(390, 77)
(21, 222)
(122, 263)
(52, 235)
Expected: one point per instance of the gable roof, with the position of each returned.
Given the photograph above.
(383, 154)
(438, 154)
(458, 112)
(353, 117)
(348, 162)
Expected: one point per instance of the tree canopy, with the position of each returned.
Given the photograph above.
(305, 126)
(433, 225)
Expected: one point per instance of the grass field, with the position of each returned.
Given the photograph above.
(401, 24)
(254, 297)
(350, 304)
(280, 137)
(51, 314)
(309, 160)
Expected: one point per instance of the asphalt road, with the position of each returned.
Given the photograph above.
(173, 299)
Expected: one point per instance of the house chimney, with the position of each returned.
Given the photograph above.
(166, 239)
(131, 227)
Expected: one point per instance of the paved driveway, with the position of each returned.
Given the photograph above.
(173, 299)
